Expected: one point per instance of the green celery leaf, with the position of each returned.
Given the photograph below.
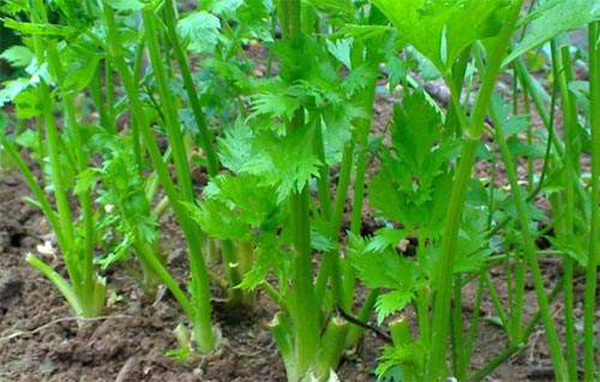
(343, 8)
(254, 19)
(27, 139)
(287, 163)
(236, 147)
(86, 181)
(218, 220)
(415, 176)
(83, 73)
(27, 104)
(341, 49)
(391, 302)
(413, 354)
(552, 18)
(386, 269)
(11, 89)
(219, 7)
(201, 30)
(442, 29)
(274, 104)
(511, 124)
(384, 239)
(127, 5)
(40, 29)
(473, 244)
(362, 32)
(385, 198)
(268, 255)
(17, 55)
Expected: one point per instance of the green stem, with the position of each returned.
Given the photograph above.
(110, 94)
(232, 267)
(529, 249)
(441, 313)
(592, 265)
(304, 312)
(147, 253)
(234, 274)
(78, 259)
(200, 293)
(519, 301)
(135, 129)
(538, 95)
(173, 128)
(323, 181)
(356, 332)
(443, 297)
(85, 287)
(329, 263)
(364, 128)
(516, 292)
(188, 82)
(63, 286)
(474, 323)
(401, 337)
(495, 299)
(200, 283)
(530, 141)
(64, 211)
(361, 163)
(332, 347)
(563, 74)
(458, 354)
(96, 93)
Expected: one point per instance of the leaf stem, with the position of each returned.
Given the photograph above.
(233, 272)
(200, 282)
(200, 295)
(529, 249)
(592, 265)
(561, 63)
(305, 314)
(441, 312)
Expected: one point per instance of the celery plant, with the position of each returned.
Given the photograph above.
(442, 42)
(303, 313)
(276, 151)
(199, 286)
(229, 254)
(76, 238)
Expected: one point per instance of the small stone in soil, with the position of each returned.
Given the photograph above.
(10, 288)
